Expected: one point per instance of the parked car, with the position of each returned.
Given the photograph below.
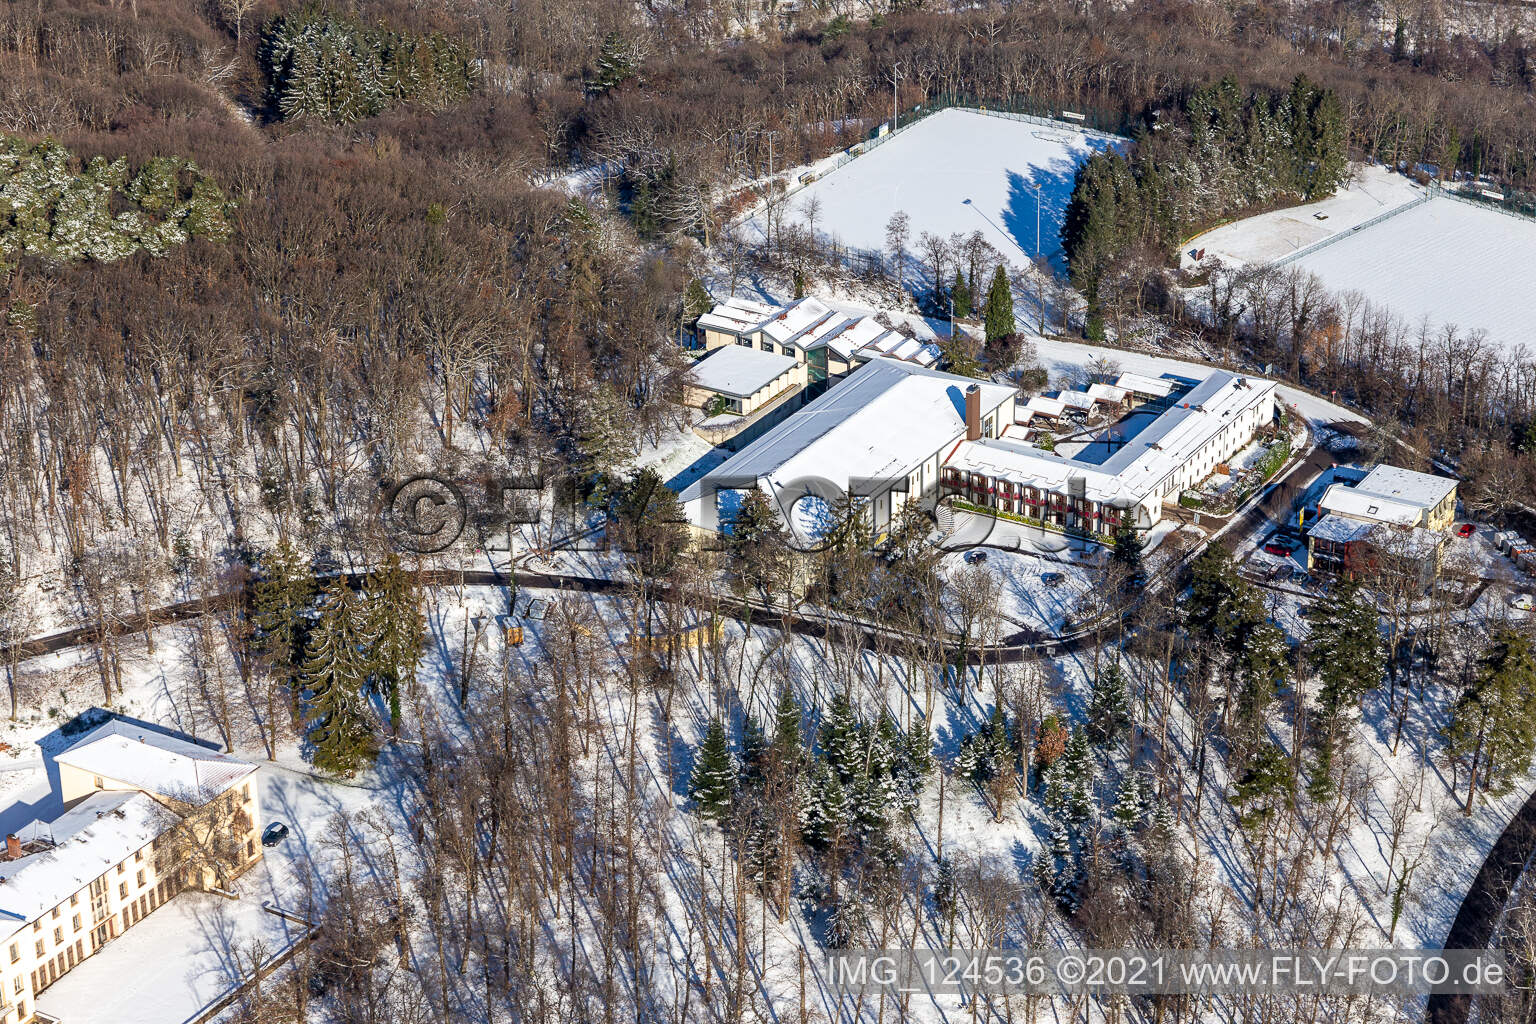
(1304, 610)
(1052, 579)
(1278, 548)
(975, 557)
(274, 834)
(1465, 530)
(1524, 602)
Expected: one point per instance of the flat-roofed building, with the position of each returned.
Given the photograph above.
(743, 379)
(1391, 518)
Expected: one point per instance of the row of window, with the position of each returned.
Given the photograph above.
(767, 346)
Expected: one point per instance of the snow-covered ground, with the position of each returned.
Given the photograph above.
(955, 171)
(1446, 261)
(1269, 236)
(173, 963)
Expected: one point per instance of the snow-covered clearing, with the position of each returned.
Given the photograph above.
(1269, 236)
(1447, 261)
(955, 171)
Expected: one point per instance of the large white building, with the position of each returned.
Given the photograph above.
(894, 432)
(138, 816)
(882, 434)
(1121, 478)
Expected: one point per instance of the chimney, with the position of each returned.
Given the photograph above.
(973, 412)
(12, 847)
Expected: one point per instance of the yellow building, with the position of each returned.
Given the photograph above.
(137, 816)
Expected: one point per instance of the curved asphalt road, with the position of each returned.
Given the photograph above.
(1012, 649)
(1484, 902)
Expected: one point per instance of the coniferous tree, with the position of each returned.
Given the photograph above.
(696, 301)
(1095, 228)
(758, 544)
(786, 727)
(616, 64)
(336, 668)
(1261, 663)
(1346, 647)
(839, 737)
(281, 598)
(998, 313)
(1214, 584)
(397, 629)
(1127, 553)
(1265, 788)
(960, 296)
(713, 782)
(826, 814)
(1109, 706)
(754, 748)
(1130, 801)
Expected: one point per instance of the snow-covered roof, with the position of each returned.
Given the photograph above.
(853, 335)
(911, 350)
(1076, 400)
(736, 316)
(1142, 462)
(878, 424)
(1107, 393)
(740, 371)
(152, 761)
(808, 316)
(1152, 387)
(1345, 500)
(1340, 530)
(1421, 490)
(1043, 406)
(97, 833)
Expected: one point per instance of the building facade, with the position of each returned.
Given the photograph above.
(1392, 518)
(143, 816)
(893, 433)
(1118, 480)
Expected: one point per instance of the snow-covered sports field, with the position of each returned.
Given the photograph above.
(955, 171)
(1449, 261)
(1372, 191)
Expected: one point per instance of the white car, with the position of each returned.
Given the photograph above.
(1524, 602)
